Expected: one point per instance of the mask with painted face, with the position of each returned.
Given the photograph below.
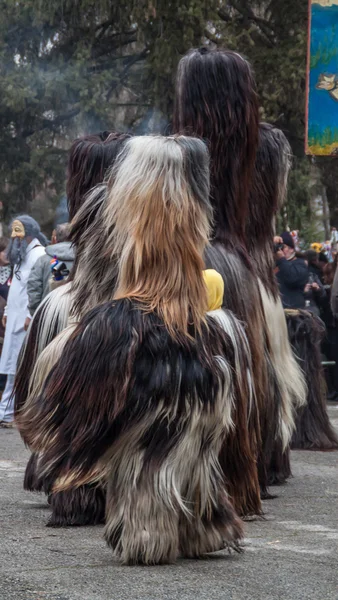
(18, 230)
(24, 229)
(17, 248)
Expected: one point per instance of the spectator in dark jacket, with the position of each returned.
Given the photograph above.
(39, 283)
(313, 259)
(315, 293)
(292, 274)
(330, 342)
(322, 261)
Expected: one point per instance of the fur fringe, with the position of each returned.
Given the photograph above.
(267, 194)
(128, 405)
(82, 506)
(95, 275)
(288, 392)
(241, 458)
(272, 445)
(32, 481)
(38, 356)
(290, 377)
(286, 386)
(78, 507)
(313, 428)
(235, 456)
(279, 470)
(51, 317)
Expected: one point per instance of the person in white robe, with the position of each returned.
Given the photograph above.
(26, 246)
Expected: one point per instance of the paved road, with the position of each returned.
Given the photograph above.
(292, 554)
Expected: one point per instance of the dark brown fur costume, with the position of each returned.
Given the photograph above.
(163, 406)
(287, 389)
(229, 122)
(88, 161)
(313, 428)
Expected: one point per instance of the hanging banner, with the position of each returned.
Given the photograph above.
(322, 79)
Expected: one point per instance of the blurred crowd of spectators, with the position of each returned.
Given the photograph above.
(309, 281)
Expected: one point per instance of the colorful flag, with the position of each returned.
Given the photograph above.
(322, 78)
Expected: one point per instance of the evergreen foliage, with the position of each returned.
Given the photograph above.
(69, 67)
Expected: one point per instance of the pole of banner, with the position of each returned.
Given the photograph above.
(308, 79)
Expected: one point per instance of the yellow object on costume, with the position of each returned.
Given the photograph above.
(215, 289)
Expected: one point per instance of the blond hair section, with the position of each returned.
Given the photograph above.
(158, 215)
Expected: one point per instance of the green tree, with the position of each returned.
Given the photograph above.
(273, 35)
(73, 66)
(63, 66)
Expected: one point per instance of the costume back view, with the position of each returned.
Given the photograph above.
(229, 121)
(144, 392)
(89, 159)
(268, 189)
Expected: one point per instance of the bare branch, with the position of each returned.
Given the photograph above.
(123, 75)
(53, 124)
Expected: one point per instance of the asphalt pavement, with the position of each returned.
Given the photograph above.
(290, 554)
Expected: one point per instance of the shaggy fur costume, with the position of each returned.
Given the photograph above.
(241, 453)
(94, 283)
(229, 121)
(152, 384)
(84, 506)
(89, 159)
(51, 317)
(153, 411)
(313, 428)
(96, 273)
(287, 386)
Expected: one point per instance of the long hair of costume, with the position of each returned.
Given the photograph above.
(84, 505)
(242, 459)
(267, 194)
(236, 456)
(153, 413)
(75, 507)
(44, 344)
(287, 387)
(287, 395)
(313, 428)
(228, 121)
(16, 252)
(51, 317)
(245, 489)
(45, 340)
(95, 276)
(89, 159)
(81, 506)
(151, 381)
